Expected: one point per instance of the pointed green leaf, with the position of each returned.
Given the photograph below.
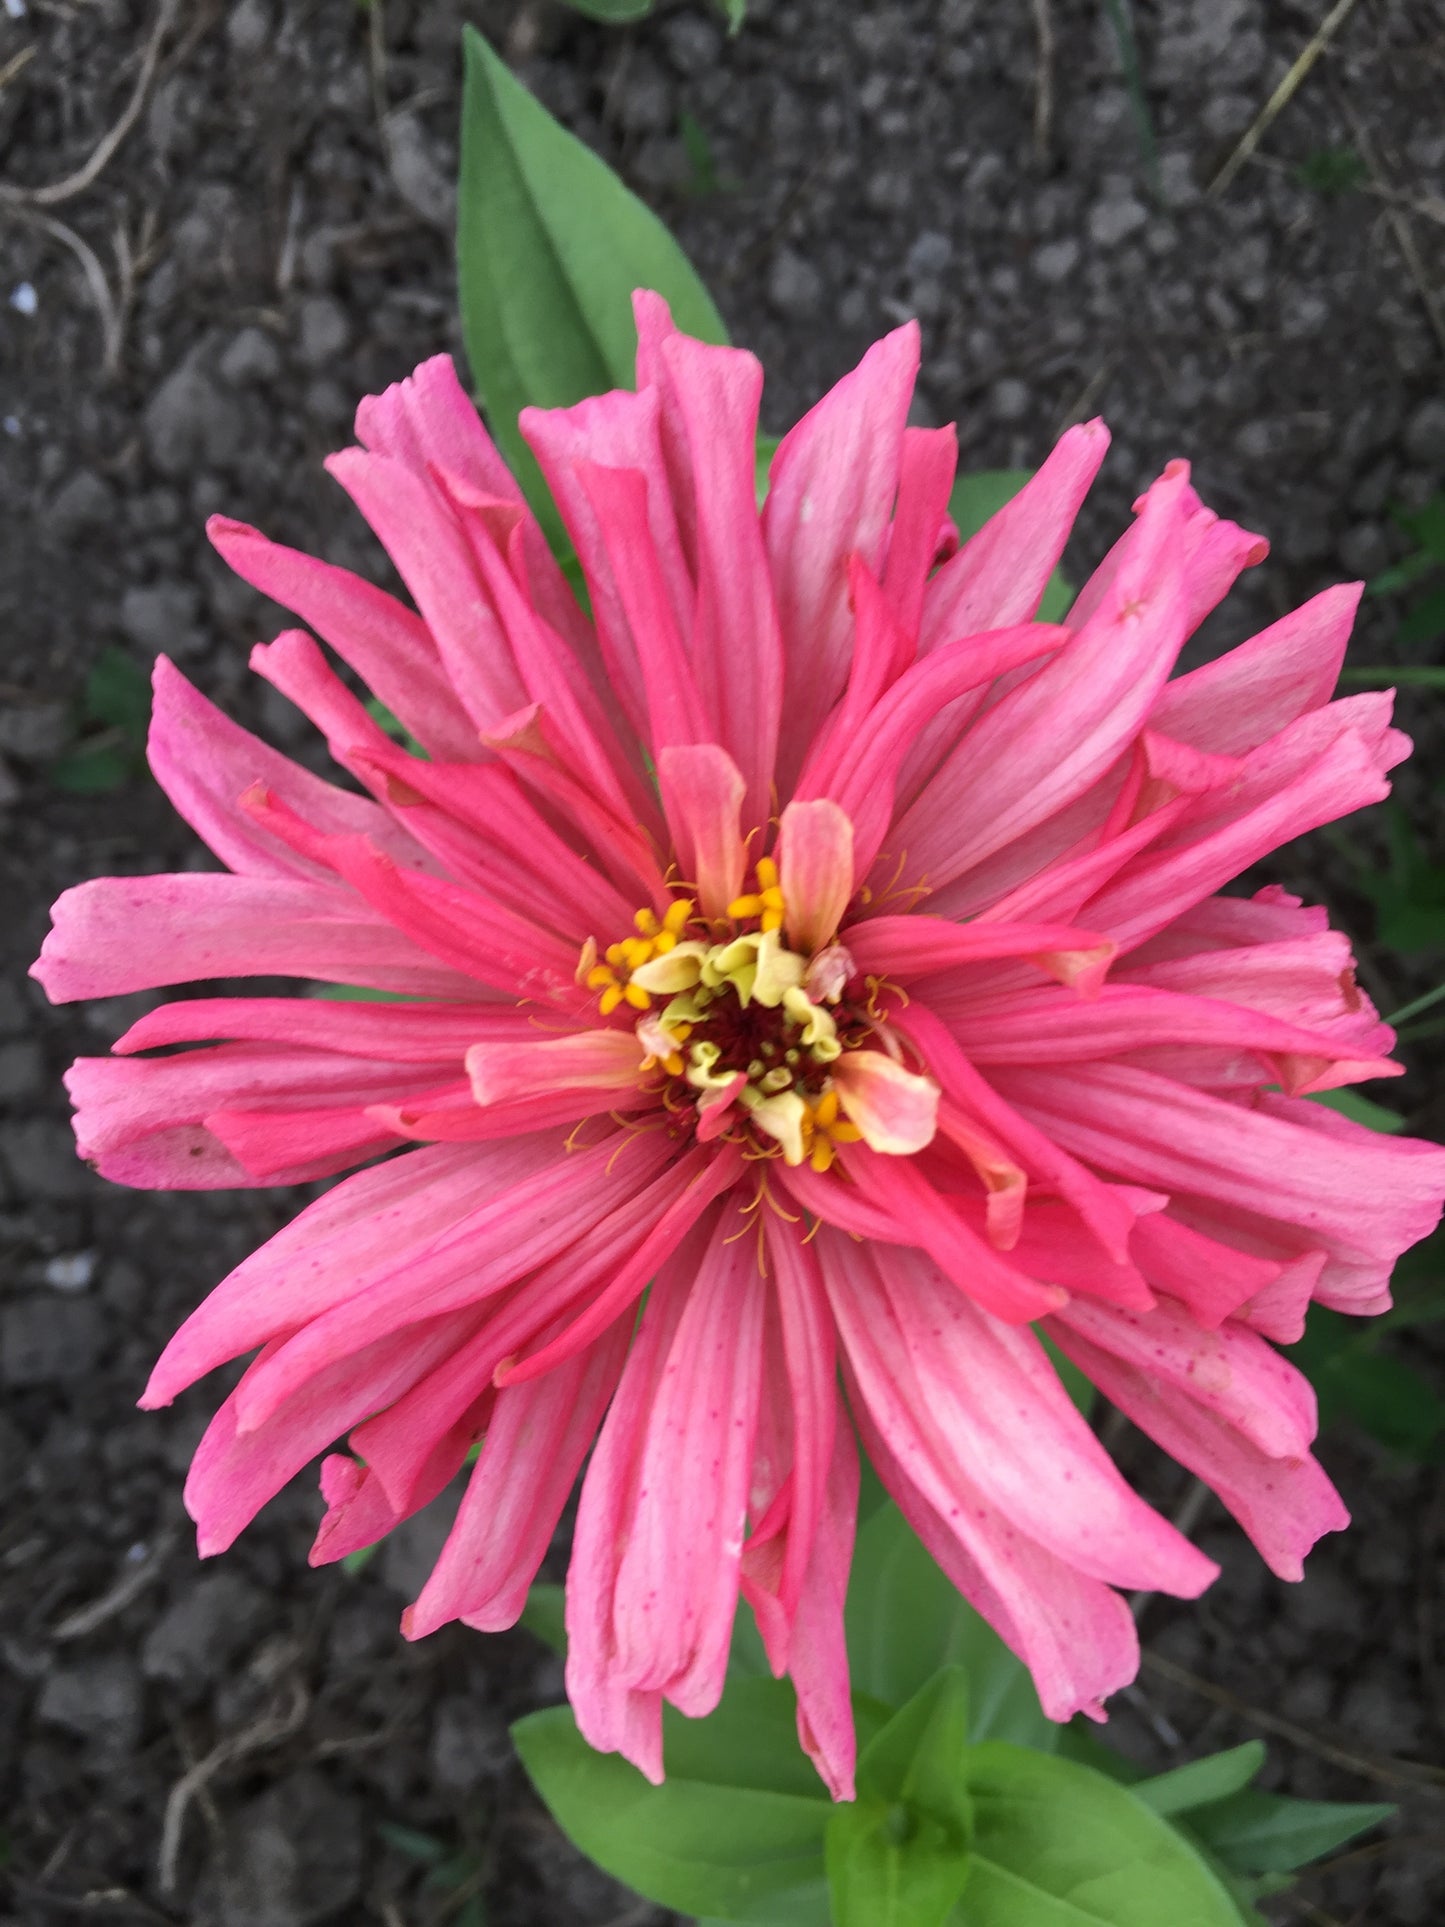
(905, 1620)
(1263, 1833)
(899, 1857)
(550, 245)
(1058, 1845)
(1202, 1781)
(734, 1832)
(888, 1867)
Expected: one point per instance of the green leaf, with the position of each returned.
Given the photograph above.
(734, 1832)
(1360, 1110)
(888, 1868)
(898, 1857)
(545, 1614)
(550, 246)
(736, 11)
(115, 710)
(613, 12)
(1424, 622)
(1058, 1845)
(1265, 1833)
(1391, 674)
(905, 1620)
(976, 497)
(1202, 1781)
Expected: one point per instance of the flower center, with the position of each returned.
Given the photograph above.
(747, 1029)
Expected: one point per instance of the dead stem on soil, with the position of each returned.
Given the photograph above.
(1043, 80)
(277, 1723)
(133, 1580)
(1399, 225)
(1389, 1771)
(54, 192)
(1282, 95)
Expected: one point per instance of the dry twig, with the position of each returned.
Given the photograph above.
(1043, 79)
(132, 1582)
(1282, 95)
(95, 281)
(1389, 1771)
(54, 192)
(273, 1726)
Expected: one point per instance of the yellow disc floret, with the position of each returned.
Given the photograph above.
(765, 902)
(613, 977)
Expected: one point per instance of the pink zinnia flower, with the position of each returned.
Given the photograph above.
(812, 942)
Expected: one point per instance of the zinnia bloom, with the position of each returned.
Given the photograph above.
(810, 985)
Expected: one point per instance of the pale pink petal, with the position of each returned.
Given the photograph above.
(895, 1109)
(702, 794)
(815, 870)
(597, 1060)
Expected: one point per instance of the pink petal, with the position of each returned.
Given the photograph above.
(420, 533)
(535, 1444)
(388, 647)
(713, 396)
(203, 761)
(554, 1211)
(999, 576)
(1363, 1197)
(612, 1712)
(982, 1401)
(1283, 1501)
(920, 524)
(818, 1659)
(119, 934)
(1049, 738)
(1241, 699)
(905, 948)
(369, 1226)
(677, 1577)
(815, 869)
(894, 1203)
(235, 1473)
(834, 480)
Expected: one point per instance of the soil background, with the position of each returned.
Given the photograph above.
(185, 328)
